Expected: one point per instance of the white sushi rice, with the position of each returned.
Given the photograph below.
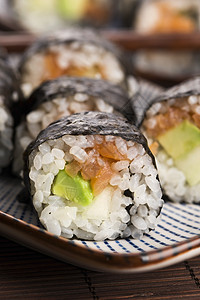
(74, 54)
(111, 214)
(174, 182)
(6, 135)
(48, 112)
(51, 111)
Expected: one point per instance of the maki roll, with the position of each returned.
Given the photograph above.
(10, 96)
(167, 17)
(171, 123)
(74, 52)
(43, 16)
(62, 97)
(92, 176)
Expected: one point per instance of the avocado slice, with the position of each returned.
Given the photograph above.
(182, 143)
(75, 189)
(73, 9)
(189, 164)
(180, 140)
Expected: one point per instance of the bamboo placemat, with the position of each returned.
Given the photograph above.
(26, 274)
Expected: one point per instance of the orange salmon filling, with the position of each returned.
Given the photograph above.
(172, 21)
(98, 166)
(53, 70)
(173, 116)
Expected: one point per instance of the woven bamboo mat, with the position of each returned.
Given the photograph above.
(25, 274)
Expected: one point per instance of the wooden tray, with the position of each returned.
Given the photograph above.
(128, 39)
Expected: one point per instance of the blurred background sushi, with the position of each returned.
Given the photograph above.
(141, 18)
(165, 18)
(42, 16)
(10, 100)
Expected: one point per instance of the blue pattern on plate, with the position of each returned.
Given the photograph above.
(180, 214)
(178, 223)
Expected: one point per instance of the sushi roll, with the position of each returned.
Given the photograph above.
(92, 176)
(75, 52)
(44, 16)
(171, 123)
(10, 96)
(62, 97)
(167, 17)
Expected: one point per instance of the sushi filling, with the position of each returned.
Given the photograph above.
(168, 16)
(6, 135)
(173, 131)
(74, 59)
(95, 187)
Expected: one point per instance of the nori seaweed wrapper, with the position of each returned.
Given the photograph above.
(10, 97)
(89, 123)
(182, 90)
(83, 36)
(145, 97)
(68, 86)
(10, 89)
(8, 83)
(3, 53)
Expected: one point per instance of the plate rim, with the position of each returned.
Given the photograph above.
(69, 252)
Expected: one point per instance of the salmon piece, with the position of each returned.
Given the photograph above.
(109, 150)
(93, 164)
(90, 169)
(182, 24)
(172, 21)
(72, 168)
(177, 115)
(154, 147)
(164, 122)
(100, 182)
(84, 72)
(196, 119)
(54, 71)
(175, 24)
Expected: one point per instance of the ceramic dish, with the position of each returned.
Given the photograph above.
(176, 238)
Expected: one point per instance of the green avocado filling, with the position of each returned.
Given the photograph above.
(71, 9)
(182, 143)
(75, 189)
